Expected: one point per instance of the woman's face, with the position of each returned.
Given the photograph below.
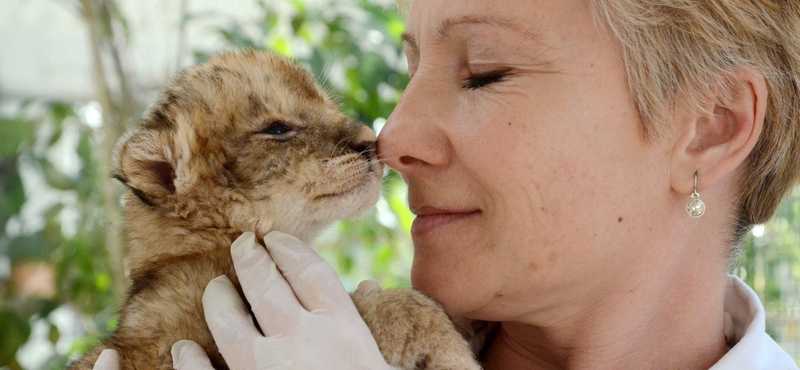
(524, 156)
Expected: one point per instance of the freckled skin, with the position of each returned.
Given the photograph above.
(533, 151)
(572, 207)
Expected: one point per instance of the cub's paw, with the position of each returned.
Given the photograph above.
(412, 330)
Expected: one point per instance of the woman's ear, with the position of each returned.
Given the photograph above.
(715, 142)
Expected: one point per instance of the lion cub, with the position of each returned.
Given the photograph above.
(248, 142)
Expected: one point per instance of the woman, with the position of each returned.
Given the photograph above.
(552, 150)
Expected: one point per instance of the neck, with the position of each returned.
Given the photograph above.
(196, 227)
(668, 316)
(156, 235)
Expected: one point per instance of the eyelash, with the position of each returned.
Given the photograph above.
(477, 81)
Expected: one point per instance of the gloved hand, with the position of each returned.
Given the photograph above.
(308, 319)
(108, 360)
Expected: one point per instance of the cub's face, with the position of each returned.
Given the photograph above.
(251, 137)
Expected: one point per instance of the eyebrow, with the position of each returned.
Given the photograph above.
(409, 40)
(443, 30)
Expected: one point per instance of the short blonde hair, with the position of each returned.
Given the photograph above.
(678, 53)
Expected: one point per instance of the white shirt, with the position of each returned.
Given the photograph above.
(752, 348)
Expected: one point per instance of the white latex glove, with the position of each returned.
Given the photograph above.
(108, 360)
(308, 319)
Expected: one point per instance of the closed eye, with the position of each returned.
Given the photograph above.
(280, 131)
(479, 80)
(277, 128)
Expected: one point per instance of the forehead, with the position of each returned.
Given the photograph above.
(254, 73)
(532, 20)
(247, 88)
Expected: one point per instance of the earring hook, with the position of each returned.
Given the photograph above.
(695, 208)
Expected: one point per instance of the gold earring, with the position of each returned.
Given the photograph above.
(695, 208)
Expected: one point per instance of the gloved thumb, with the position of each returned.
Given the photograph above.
(188, 355)
(108, 360)
(368, 286)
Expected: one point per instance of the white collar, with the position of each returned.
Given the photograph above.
(745, 331)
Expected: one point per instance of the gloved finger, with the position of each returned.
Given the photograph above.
(108, 360)
(273, 354)
(188, 355)
(368, 286)
(315, 283)
(229, 322)
(271, 299)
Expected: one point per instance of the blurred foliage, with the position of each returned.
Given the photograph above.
(770, 264)
(51, 250)
(56, 276)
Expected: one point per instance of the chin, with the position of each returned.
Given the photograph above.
(458, 271)
(360, 201)
(442, 283)
(351, 203)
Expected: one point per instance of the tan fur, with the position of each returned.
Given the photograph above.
(203, 168)
(413, 332)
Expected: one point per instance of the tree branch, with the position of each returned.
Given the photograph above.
(112, 128)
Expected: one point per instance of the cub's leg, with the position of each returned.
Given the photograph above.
(413, 332)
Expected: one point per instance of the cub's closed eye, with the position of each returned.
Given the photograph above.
(281, 131)
(277, 128)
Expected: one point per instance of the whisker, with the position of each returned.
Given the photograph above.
(335, 148)
(340, 147)
(344, 147)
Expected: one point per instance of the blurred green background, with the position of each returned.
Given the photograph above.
(61, 275)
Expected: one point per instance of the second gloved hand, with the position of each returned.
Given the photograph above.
(308, 319)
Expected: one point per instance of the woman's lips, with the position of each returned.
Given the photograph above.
(429, 220)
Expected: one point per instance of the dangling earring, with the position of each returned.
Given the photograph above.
(695, 208)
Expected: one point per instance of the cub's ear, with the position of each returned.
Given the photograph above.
(144, 161)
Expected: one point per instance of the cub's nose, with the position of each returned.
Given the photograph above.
(366, 149)
(364, 143)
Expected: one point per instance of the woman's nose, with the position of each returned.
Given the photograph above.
(414, 136)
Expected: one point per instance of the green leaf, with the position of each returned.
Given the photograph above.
(102, 281)
(235, 35)
(112, 323)
(297, 23)
(53, 335)
(15, 331)
(12, 193)
(116, 15)
(28, 247)
(14, 132)
(282, 46)
(61, 111)
(56, 178)
(201, 57)
(300, 6)
(396, 27)
(398, 204)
